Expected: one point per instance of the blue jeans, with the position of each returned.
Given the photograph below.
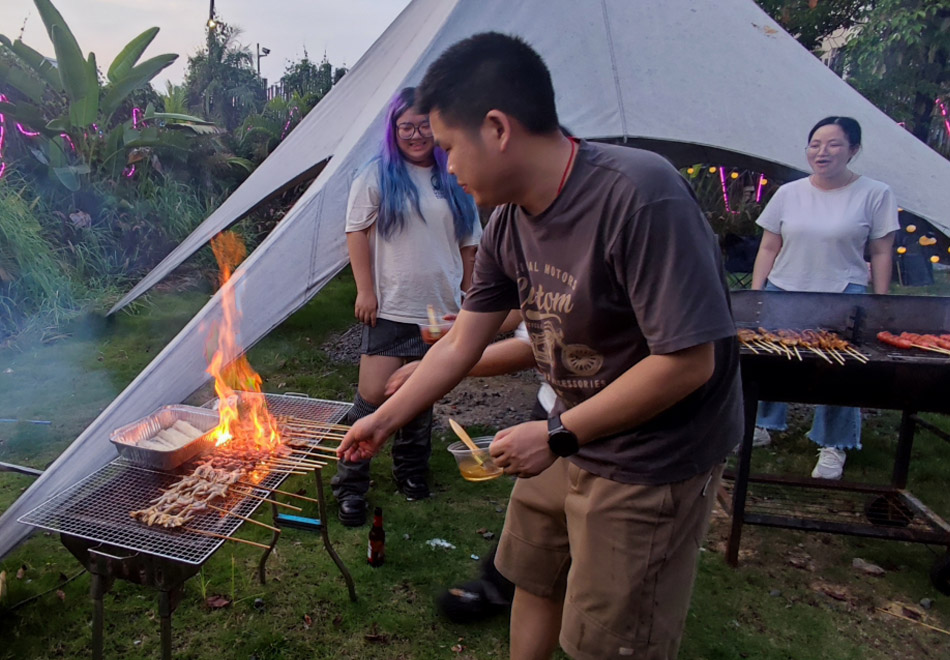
(833, 426)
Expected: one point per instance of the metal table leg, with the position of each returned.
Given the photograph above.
(741, 486)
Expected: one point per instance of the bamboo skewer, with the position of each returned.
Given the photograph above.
(244, 518)
(907, 618)
(797, 354)
(821, 354)
(935, 350)
(302, 462)
(225, 537)
(266, 499)
(280, 492)
(858, 355)
(836, 355)
(293, 421)
(750, 347)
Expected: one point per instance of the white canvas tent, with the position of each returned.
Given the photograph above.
(698, 81)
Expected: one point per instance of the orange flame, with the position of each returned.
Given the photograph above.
(242, 408)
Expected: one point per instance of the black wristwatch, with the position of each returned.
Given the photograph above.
(561, 441)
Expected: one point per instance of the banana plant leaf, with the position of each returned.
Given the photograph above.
(175, 116)
(28, 115)
(69, 175)
(84, 109)
(69, 59)
(209, 129)
(125, 60)
(22, 82)
(137, 77)
(147, 137)
(39, 63)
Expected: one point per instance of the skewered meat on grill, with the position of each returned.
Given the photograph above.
(786, 342)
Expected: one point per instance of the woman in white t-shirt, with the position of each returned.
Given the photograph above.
(411, 232)
(815, 233)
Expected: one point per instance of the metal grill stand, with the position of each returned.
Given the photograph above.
(905, 382)
(92, 517)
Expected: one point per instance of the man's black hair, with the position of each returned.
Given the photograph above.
(490, 71)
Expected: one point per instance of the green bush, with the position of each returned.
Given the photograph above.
(34, 286)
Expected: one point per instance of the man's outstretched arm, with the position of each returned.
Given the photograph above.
(443, 367)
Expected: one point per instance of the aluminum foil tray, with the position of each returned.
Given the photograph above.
(127, 437)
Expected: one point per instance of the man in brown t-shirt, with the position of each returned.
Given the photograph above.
(617, 275)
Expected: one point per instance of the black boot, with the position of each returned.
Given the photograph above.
(479, 599)
(351, 481)
(411, 450)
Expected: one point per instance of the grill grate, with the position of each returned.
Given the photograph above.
(97, 507)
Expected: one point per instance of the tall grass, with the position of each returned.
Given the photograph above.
(34, 286)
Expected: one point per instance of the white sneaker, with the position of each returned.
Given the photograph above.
(830, 463)
(761, 437)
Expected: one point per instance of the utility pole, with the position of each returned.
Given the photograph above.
(261, 52)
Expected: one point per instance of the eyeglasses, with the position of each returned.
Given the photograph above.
(830, 146)
(407, 130)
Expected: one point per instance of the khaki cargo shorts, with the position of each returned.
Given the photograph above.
(621, 556)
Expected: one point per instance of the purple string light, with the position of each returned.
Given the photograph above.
(725, 190)
(129, 172)
(758, 190)
(26, 132)
(69, 140)
(136, 115)
(943, 111)
(3, 133)
(290, 118)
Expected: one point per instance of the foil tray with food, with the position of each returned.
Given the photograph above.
(167, 438)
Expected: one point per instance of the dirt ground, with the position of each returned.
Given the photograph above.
(496, 402)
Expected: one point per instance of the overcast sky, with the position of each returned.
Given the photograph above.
(344, 28)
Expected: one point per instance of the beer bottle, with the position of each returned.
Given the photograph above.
(376, 553)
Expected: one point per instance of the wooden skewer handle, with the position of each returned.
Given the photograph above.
(243, 493)
(226, 538)
(281, 492)
(244, 518)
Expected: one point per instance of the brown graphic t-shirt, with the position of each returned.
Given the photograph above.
(620, 266)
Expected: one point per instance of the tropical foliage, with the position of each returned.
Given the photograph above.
(900, 59)
(221, 81)
(70, 116)
(810, 21)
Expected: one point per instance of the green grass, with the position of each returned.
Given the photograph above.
(768, 608)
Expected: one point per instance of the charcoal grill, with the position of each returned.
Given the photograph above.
(911, 381)
(92, 518)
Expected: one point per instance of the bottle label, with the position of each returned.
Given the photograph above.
(375, 553)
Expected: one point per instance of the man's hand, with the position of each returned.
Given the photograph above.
(363, 440)
(366, 307)
(523, 450)
(399, 377)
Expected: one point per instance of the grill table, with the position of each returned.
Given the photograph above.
(910, 381)
(92, 517)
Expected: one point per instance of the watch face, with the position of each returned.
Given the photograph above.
(563, 443)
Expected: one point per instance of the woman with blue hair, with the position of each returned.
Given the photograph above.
(411, 232)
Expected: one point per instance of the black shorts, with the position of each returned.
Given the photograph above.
(393, 339)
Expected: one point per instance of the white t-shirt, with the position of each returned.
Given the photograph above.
(824, 232)
(421, 265)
